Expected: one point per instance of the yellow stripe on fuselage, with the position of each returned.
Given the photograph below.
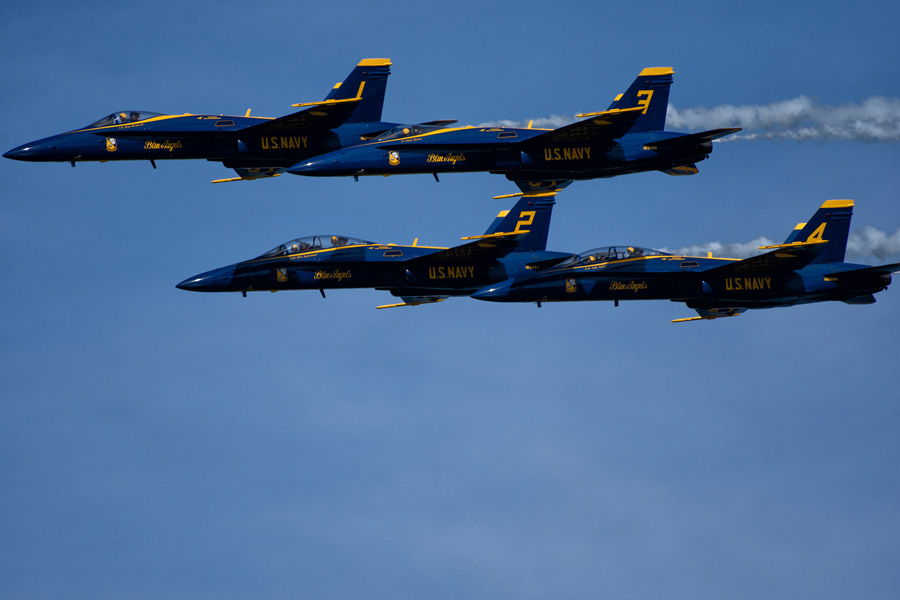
(323, 250)
(121, 126)
(670, 257)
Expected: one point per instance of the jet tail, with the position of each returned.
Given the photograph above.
(530, 214)
(649, 91)
(830, 226)
(368, 81)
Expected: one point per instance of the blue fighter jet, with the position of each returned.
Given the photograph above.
(808, 267)
(254, 147)
(628, 137)
(417, 274)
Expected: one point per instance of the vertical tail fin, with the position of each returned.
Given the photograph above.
(830, 224)
(651, 91)
(367, 81)
(532, 214)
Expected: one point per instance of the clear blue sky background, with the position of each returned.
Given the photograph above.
(156, 443)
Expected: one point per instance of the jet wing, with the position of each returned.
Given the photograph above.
(786, 257)
(324, 115)
(494, 245)
(609, 125)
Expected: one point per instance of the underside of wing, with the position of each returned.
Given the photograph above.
(415, 301)
(707, 314)
(249, 174)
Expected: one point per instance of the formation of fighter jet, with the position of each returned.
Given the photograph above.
(343, 135)
(510, 263)
(808, 267)
(254, 147)
(417, 274)
(629, 137)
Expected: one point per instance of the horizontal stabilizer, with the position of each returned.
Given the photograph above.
(866, 272)
(695, 138)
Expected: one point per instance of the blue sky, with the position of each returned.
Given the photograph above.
(158, 443)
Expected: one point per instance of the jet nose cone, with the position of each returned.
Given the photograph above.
(497, 293)
(217, 280)
(327, 165)
(23, 152)
(310, 167)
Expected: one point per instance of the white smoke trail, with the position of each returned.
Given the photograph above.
(876, 119)
(863, 244)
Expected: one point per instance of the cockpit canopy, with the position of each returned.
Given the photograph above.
(402, 131)
(313, 242)
(123, 116)
(609, 254)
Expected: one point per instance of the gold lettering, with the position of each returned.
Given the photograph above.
(579, 153)
(166, 145)
(336, 275)
(446, 158)
(631, 286)
(645, 102)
